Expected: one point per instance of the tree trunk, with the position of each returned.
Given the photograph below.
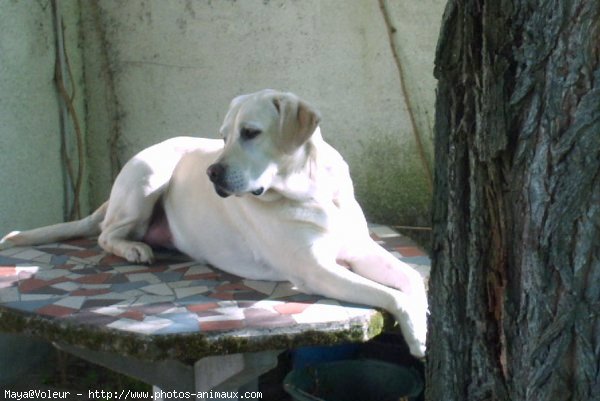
(515, 281)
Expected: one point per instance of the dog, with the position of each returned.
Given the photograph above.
(270, 201)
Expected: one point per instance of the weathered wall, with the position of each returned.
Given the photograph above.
(157, 69)
(32, 177)
(29, 133)
(31, 189)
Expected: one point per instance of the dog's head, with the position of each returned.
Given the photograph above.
(263, 133)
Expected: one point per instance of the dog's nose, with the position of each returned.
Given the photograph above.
(215, 172)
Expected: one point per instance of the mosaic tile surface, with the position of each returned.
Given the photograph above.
(76, 283)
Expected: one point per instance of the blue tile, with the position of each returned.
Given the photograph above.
(30, 306)
(182, 323)
(59, 259)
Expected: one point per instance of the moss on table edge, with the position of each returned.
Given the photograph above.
(188, 347)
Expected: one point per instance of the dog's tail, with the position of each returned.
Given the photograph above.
(88, 226)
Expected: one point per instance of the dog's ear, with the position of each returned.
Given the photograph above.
(297, 121)
(228, 121)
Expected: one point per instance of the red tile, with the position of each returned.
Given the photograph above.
(291, 308)
(202, 307)
(82, 242)
(56, 310)
(32, 284)
(133, 315)
(223, 295)
(8, 271)
(111, 259)
(85, 253)
(233, 287)
(260, 318)
(203, 276)
(410, 251)
(222, 325)
(160, 269)
(94, 278)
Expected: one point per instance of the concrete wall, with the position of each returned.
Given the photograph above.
(31, 178)
(157, 69)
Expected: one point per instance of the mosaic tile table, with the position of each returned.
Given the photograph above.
(183, 316)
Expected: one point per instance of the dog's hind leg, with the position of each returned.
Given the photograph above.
(88, 226)
(126, 222)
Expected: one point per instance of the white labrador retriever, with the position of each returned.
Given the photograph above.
(292, 215)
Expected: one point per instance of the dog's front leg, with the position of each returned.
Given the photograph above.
(371, 260)
(324, 276)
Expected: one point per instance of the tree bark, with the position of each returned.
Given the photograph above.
(515, 280)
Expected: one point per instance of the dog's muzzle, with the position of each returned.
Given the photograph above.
(217, 173)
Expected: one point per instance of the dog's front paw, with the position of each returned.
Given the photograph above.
(413, 323)
(417, 348)
(139, 253)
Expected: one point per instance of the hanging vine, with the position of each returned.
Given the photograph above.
(391, 30)
(74, 170)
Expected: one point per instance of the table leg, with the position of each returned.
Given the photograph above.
(232, 373)
(226, 374)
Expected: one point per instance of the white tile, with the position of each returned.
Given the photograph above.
(51, 274)
(190, 291)
(12, 251)
(147, 326)
(153, 299)
(267, 304)
(264, 287)
(175, 310)
(78, 260)
(95, 259)
(61, 245)
(148, 277)
(95, 286)
(25, 272)
(284, 289)
(199, 269)
(322, 312)
(10, 294)
(158, 289)
(129, 268)
(28, 270)
(181, 284)
(109, 295)
(111, 310)
(28, 254)
(67, 286)
(45, 258)
(37, 297)
(71, 302)
(225, 314)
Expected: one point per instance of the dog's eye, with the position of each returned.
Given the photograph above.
(249, 133)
